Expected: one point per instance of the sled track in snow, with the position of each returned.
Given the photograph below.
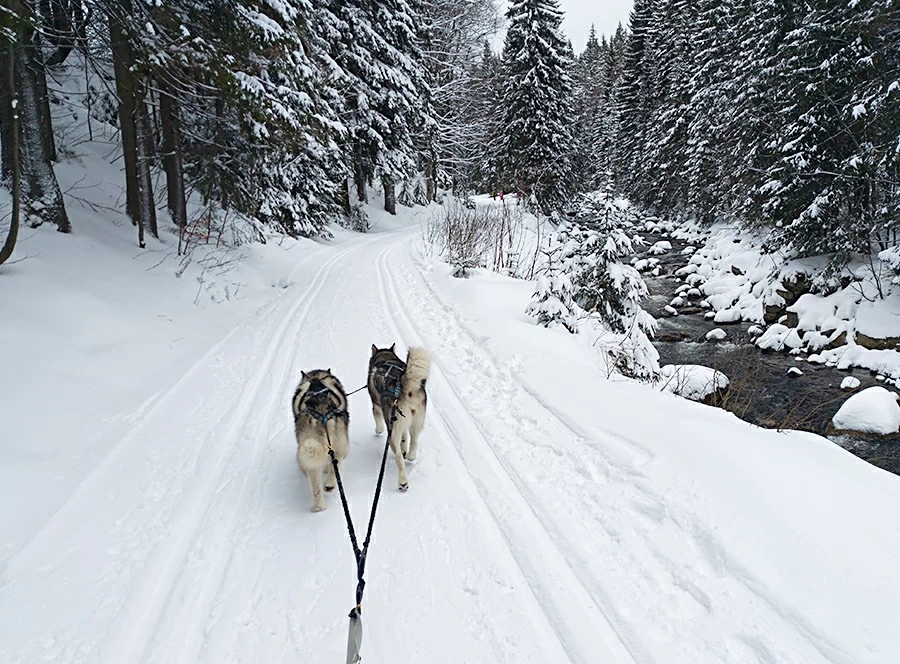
(153, 580)
(791, 625)
(145, 613)
(570, 608)
(144, 414)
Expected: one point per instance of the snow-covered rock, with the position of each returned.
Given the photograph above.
(692, 381)
(732, 315)
(754, 330)
(850, 383)
(874, 410)
(677, 302)
(716, 335)
(794, 372)
(660, 248)
(669, 309)
(878, 323)
(779, 337)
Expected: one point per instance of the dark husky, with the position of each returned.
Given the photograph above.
(393, 382)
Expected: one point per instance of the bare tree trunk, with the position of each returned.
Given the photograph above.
(122, 62)
(131, 122)
(430, 177)
(390, 194)
(344, 197)
(359, 177)
(7, 61)
(43, 200)
(39, 74)
(12, 118)
(170, 118)
(144, 163)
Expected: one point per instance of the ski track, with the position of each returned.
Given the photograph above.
(136, 420)
(553, 583)
(137, 620)
(189, 613)
(191, 540)
(593, 461)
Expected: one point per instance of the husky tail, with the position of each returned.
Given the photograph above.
(418, 363)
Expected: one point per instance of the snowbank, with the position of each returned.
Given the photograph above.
(874, 410)
(688, 493)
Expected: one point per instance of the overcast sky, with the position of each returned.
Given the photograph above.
(580, 14)
(605, 14)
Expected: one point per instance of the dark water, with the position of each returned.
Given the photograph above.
(761, 391)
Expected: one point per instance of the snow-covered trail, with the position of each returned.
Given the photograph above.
(192, 540)
(533, 530)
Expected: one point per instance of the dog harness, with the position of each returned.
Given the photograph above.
(320, 395)
(388, 374)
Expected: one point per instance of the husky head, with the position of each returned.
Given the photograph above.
(381, 355)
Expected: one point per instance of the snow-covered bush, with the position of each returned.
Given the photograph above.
(552, 304)
(357, 220)
(588, 274)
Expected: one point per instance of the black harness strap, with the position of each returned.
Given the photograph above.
(361, 553)
(315, 397)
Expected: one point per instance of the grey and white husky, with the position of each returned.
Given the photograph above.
(320, 402)
(395, 382)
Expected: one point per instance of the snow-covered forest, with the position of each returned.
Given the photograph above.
(658, 278)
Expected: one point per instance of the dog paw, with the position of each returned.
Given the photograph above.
(378, 431)
(404, 488)
(318, 508)
(410, 456)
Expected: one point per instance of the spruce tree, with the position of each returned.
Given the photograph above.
(384, 86)
(590, 83)
(827, 188)
(537, 104)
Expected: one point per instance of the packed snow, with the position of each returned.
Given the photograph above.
(874, 410)
(716, 335)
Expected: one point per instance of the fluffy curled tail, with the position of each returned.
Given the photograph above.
(418, 363)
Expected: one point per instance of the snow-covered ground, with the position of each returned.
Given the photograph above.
(155, 512)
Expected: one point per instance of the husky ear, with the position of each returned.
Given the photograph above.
(328, 371)
(304, 376)
(393, 346)
(374, 349)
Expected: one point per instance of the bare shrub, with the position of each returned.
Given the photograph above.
(468, 236)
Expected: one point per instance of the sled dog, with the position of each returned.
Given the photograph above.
(393, 380)
(320, 402)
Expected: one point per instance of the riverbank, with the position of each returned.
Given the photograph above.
(765, 388)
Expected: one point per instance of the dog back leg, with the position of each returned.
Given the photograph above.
(330, 481)
(415, 429)
(396, 437)
(378, 414)
(315, 488)
(404, 443)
